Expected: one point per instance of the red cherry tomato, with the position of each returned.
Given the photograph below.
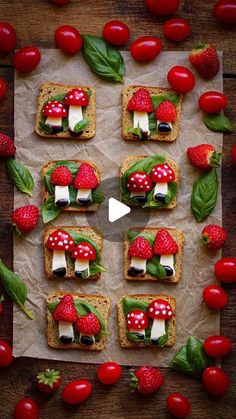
(178, 405)
(3, 88)
(215, 297)
(181, 79)
(215, 380)
(116, 32)
(233, 154)
(109, 373)
(26, 409)
(176, 29)
(5, 354)
(225, 11)
(212, 102)
(217, 346)
(225, 270)
(26, 59)
(145, 48)
(68, 39)
(7, 37)
(76, 392)
(60, 2)
(163, 7)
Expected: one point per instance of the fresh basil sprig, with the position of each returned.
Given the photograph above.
(204, 194)
(15, 288)
(103, 59)
(218, 123)
(20, 176)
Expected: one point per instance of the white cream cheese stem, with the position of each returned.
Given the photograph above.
(65, 329)
(75, 115)
(58, 260)
(138, 263)
(141, 120)
(62, 193)
(158, 329)
(168, 260)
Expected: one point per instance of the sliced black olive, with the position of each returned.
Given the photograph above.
(154, 341)
(169, 270)
(62, 203)
(160, 197)
(86, 340)
(78, 274)
(135, 272)
(164, 127)
(140, 335)
(59, 272)
(141, 199)
(56, 129)
(144, 135)
(66, 339)
(84, 201)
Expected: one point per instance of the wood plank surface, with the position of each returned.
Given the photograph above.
(29, 17)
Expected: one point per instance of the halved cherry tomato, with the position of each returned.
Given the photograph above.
(26, 59)
(217, 346)
(181, 79)
(225, 270)
(212, 102)
(7, 37)
(233, 154)
(163, 7)
(215, 380)
(146, 48)
(109, 373)
(178, 405)
(76, 392)
(177, 29)
(5, 354)
(26, 408)
(215, 297)
(3, 88)
(68, 39)
(116, 32)
(225, 11)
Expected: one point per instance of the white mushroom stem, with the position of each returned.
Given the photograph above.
(62, 193)
(81, 265)
(75, 115)
(139, 331)
(168, 260)
(158, 329)
(141, 120)
(135, 194)
(66, 330)
(58, 259)
(84, 194)
(161, 188)
(138, 263)
(53, 121)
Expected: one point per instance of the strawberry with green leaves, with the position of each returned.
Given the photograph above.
(48, 382)
(205, 60)
(25, 218)
(213, 236)
(146, 380)
(204, 156)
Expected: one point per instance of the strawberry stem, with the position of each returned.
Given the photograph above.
(200, 45)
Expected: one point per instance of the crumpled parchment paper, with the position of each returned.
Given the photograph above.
(108, 149)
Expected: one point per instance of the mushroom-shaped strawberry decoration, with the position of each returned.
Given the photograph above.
(137, 323)
(140, 104)
(85, 180)
(59, 242)
(65, 314)
(54, 110)
(139, 252)
(162, 174)
(88, 326)
(61, 178)
(139, 183)
(166, 247)
(159, 310)
(83, 253)
(165, 114)
(76, 99)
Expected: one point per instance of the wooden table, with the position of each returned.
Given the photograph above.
(35, 22)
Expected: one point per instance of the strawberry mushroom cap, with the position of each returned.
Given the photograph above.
(59, 242)
(83, 253)
(61, 178)
(65, 314)
(161, 175)
(165, 114)
(139, 252)
(85, 180)
(159, 310)
(140, 104)
(166, 247)
(88, 326)
(54, 110)
(139, 183)
(76, 99)
(137, 322)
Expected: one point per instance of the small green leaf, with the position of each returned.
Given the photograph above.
(130, 304)
(53, 305)
(197, 356)
(136, 131)
(218, 123)
(49, 210)
(81, 125)
(65, 124)
(97, 195)
(154, 268)
(81, 311)
(46, 128)
(180, 362)
(60, 97)
(204, 194)
(133, 234)
(20, 176)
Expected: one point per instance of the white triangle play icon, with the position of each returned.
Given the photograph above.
(116, 210)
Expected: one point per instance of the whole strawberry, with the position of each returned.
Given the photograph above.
(166, 112)
(25, 219)
(205, 60)
(7, 147)
(204, 156)
(49, 381)
(146, 379)
(213, 236)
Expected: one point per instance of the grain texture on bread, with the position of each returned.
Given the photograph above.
(101, 303)
(128, 344)
(89, 232)
(127, 122)
(45, 194)
(47, 91)
(129, 161)
(177, 235)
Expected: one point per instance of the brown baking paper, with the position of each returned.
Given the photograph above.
(108, 150)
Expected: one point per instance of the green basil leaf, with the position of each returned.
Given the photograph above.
(103, 59)
(171, 195)
(78, 238)
(218, 123)
(130, 304)
(65, 124)
(81, 125)
(180, 362)
(197, 357)
(156, 101)
(49, 210)
(97, 195)
(133, 234)
(204, 194)
(91, 309)
(15, 288)
(20, 176)
(53, 305)
(163, 339)
(154, 268)
(136, 131)
(81, 311)
(45, 128)
(60, 97)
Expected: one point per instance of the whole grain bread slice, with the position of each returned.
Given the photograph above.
(89, 232)
(177, 234)
(45, 194)
(129, 161)
(127, 122)
(47, 91)
(128, 344)
(100, 302)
